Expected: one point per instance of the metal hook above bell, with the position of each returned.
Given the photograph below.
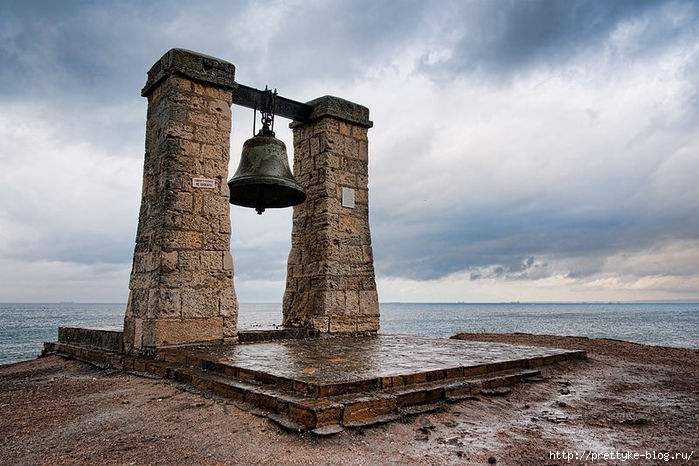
(263, 179)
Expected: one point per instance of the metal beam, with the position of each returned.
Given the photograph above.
(250, 97)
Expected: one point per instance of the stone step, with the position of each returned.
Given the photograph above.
(329, 414)
(302, 411)
(325, 385)
(202, 358)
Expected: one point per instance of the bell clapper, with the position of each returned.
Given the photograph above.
(260, 207)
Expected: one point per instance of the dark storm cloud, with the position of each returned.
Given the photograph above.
(64, 50)
(439, 246)
(615, 209)
(499, 39)
(433, 73)
(350, 38)
(79, 65)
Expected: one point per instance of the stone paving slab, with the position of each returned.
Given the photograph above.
(331, 366)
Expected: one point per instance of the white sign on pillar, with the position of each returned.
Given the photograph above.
(203, 183)
(348, 197)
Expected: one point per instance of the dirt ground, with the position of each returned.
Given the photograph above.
(625, 399)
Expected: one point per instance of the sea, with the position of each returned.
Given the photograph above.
(25, 326)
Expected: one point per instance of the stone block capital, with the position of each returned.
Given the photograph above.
(330, 106)
(192, 65)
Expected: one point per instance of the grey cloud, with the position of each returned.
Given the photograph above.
(502, 38)
(84, 249)
(689, 72)
(260, 244)
(267, 264)
(350, 40)
(73, 49)
(474, 240)
(260, 251)
(81, 65)
(527, 269)
(51, 49)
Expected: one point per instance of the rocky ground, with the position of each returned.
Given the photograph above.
(625, 398)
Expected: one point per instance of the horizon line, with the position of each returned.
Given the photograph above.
(640, 301)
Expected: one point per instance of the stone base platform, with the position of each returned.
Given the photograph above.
(327, 383)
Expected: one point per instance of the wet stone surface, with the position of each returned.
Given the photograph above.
(322, 361)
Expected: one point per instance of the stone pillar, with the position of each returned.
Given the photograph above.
(181, 288)
(331, 286)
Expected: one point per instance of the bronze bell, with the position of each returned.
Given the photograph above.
(263, 178)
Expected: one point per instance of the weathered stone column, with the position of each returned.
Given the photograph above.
(331, 285)
(181, 287)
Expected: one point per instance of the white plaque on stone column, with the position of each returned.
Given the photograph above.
(203, 183)
(348, 197)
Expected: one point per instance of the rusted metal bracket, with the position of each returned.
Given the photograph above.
(250, 97)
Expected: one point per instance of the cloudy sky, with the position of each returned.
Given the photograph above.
(521, 150)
